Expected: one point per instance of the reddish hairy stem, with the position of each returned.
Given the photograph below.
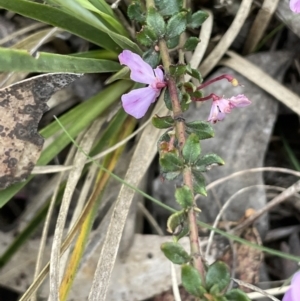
(226, 76)
(187, 174)
(210, 96)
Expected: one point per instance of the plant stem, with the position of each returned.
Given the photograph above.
(187, 174)
(230, 78)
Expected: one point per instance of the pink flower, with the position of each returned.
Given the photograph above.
(239, 101)
(293, 293)
(137, 102)
(222, 106)
(295, 6)
(218, 109)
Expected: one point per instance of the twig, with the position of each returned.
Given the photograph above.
(276, 201)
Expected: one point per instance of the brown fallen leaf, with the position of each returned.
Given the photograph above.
(248, 260)
(21, 108)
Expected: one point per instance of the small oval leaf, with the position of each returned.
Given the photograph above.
(197, 19)
(156, 22)
(217, 274)
(201, 128)
(168, 7)
(206, 162)
(176, 221)
(191, 149)
(162, 122)
(151, 56)
(170, 162)
(177, 70)
(199, 182)
(191, 281)
(191, 43)
(146, 36)
(176, 25)
(237, 295)
(135, 13)
(184, 196)
(175, 252)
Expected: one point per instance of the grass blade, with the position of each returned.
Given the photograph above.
(58, 18)
(21, 60)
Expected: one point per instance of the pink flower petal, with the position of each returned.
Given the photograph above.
(224, 105)
(141, 71)
(239, 101)
(295, 287)
(137, 102)
(159, 74)
(288, 296)
(215, 113)
(295, 6)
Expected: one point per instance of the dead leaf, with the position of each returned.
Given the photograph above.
(21, 108)
(248, 259)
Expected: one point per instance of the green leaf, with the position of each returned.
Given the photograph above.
(191, 43)
(176, 221)
(199, 182)
(172, 43)
(195, 73)
(191, 149)
(57, 17)
(168, 7)
(102, 54)
(220, 298)
(182, 231)
(185, 101)
(102, 6)
(206, 162)
(184, 196)
(156, 22)
(146, 36)
(202, 129)
(124, 73)
(177, 70)
(175, 252)
(191, 281)
(237, 295)
(21, 60)
(189, 86)
(217, 274)
(197, 19)
(196, 95)
(170, 162)
(172, 175)
(163, 122)
(104, 14)
(135, 12)
(167, 100)
(152, 57)
(176, 25)
(74, 8)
